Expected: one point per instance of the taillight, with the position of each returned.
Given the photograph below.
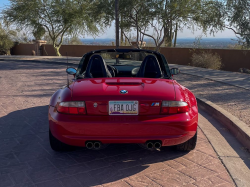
(174, 107)
(76, 107)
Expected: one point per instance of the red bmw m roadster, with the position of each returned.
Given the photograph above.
(123, 96)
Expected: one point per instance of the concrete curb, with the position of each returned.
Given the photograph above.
(238, 128)
(229, 150)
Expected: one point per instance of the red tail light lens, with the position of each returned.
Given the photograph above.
(77, 107)
(174, 107)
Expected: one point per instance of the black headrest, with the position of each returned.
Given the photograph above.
(150, 68)
(97, 68)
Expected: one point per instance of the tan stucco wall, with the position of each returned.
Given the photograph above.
(232, 59)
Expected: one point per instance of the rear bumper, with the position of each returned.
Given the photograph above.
(76, 130)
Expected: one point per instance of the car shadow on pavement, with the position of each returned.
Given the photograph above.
(26, 157)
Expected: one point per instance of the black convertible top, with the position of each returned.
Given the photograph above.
(162, 61)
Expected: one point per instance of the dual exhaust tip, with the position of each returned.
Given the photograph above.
(153, 145)
(97, 145)
(93, 145)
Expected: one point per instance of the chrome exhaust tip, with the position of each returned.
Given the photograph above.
(157, 145)
(89, 145)
(150, 145)
(97, 145)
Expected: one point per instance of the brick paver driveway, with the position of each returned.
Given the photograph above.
(26, 158)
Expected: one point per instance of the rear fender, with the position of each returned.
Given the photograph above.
(63, 94)
(184, 94)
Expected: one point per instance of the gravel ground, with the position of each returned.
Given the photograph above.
(233, 99)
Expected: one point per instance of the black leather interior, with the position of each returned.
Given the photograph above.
(97, 68)
(113, 71)
(150, 68)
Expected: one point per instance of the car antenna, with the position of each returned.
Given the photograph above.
(67, 68)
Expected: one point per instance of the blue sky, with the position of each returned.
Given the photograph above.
(3, 2)
(186, 33)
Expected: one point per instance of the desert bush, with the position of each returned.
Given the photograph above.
(5, 42)
(206, 59)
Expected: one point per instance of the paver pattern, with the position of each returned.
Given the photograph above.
(26, 158)
(233, 99)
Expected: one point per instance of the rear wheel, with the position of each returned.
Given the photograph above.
(188, 145)
(57, 145)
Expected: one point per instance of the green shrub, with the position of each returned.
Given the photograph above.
(5, 42)
(206, 60)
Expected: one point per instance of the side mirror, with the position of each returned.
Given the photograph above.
(175, 71)
(71, 71)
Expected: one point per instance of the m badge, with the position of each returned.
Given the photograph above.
(155, 104)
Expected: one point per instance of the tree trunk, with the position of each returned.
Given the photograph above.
(117, 22)
(122, 37)
(126, 41)
(57, 48)
(168, 40)
(167, 37)
(171, 35)
(175, 34)
(157, 48)
(57, 51)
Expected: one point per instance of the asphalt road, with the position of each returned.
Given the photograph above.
(26, 158)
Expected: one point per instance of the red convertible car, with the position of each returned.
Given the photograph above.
(123, 96)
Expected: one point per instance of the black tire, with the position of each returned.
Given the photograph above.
(57, 145)
(188, 145)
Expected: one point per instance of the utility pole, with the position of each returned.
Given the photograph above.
(117, 23)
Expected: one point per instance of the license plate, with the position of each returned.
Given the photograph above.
(123, 107)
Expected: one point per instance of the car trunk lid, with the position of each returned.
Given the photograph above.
(98, 92)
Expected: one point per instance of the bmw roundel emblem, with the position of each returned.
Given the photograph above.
(123, 91)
